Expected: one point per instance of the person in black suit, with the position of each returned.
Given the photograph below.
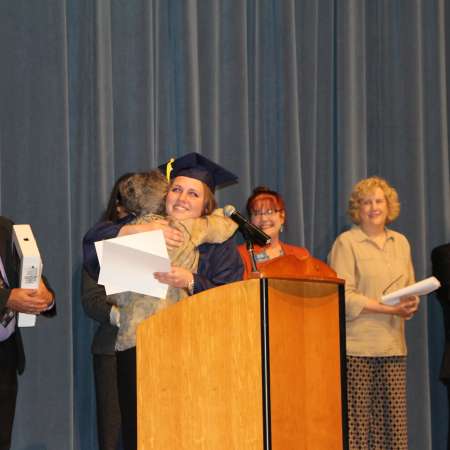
(13, 300)
(440, 260)
(96, 306)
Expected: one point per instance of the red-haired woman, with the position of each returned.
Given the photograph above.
(267, 211)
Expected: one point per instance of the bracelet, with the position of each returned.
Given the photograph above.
(191, 286)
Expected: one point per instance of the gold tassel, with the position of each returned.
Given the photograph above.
(169, 168)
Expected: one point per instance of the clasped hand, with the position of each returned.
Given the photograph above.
(172, 236)
(407, 307)
(30, 301)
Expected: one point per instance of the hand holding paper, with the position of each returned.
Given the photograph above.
(127, 263)
(423, 287)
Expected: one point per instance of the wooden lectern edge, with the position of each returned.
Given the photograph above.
(260, 275)
(289, 267)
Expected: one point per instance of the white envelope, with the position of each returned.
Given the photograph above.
(127, 263)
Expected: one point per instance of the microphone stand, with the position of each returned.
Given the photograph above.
(250, 249)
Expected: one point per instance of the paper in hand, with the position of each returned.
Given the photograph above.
(423, 287)
(127, 263)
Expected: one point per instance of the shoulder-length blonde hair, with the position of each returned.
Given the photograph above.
(365, 187)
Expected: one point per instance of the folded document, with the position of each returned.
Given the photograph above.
(423, 287)
(127, 263)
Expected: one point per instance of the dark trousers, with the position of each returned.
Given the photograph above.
(8, 391)
(126, 377)
(447, 385)
(107, 401)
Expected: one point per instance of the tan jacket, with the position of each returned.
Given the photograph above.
(369, 272)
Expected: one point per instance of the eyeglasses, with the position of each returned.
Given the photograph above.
(268, 213)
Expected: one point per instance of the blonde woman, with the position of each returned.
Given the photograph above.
(375, 260)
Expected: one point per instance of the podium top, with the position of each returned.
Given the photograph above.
(288, 266)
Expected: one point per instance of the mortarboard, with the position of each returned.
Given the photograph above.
(194, 165)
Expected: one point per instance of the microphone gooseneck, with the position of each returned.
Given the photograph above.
(249, 231)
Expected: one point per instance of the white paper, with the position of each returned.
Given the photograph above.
(30, 266)
(423, 287)
(127, 263)
(99, 250)
(26, 320)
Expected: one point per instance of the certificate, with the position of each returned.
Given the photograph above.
(127, 263)
(423, 287)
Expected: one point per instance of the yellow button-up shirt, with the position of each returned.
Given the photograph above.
(369, 272)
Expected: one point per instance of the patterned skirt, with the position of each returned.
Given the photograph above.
(376, 391)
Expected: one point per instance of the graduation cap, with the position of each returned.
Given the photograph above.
(194, 165)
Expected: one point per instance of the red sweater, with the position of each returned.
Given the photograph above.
(299, 252)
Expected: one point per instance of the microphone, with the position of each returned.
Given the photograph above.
(249, 231)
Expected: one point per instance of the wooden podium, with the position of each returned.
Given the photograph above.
(258, 364)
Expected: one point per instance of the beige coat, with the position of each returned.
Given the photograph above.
(369, 272)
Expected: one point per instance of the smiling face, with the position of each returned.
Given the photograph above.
(373, 211)
(186, 198)
(265, 215)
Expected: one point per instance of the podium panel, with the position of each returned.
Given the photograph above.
(253, 365)
(199, 372)
(305, 365)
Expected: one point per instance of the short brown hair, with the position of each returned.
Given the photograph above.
(365, 187)
(145, 192)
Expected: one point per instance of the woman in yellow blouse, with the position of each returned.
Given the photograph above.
(375, 260)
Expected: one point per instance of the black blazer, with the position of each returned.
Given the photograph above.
(96, 306)
(11, 265)
(440, 259)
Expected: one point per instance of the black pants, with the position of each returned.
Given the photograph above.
(126, 377)
(447, 385)
(107, 401)
(8, 390)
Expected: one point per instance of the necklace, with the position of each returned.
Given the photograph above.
(264, 256)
